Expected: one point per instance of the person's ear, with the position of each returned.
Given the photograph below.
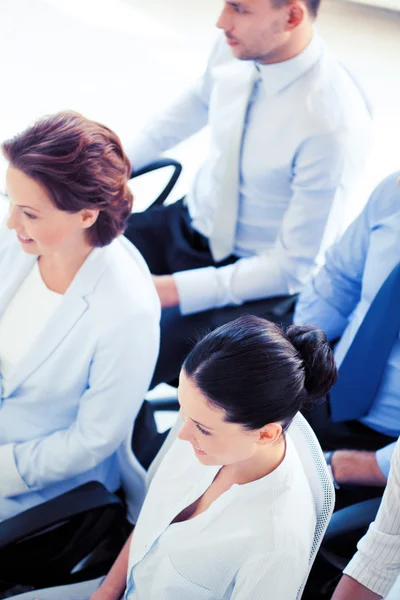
(295, 15)
(270, 433)
(89, 217)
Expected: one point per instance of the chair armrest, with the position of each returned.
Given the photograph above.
(164, 404)
(76, 502)
(161, 164)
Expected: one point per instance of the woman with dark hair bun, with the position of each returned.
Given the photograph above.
(229, 514)
(79, 316)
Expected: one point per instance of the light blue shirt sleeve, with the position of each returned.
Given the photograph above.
(118, 380)
(384, 457)
(332, 294)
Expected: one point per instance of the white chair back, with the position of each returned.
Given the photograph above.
(319, 479)
(133, 479)
(314, 464)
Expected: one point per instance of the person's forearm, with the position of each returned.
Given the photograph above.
(356, 467)
(114, 584)
(350, 589)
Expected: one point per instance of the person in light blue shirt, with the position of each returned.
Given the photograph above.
(79, 316)
(289, 134)
(337, 300)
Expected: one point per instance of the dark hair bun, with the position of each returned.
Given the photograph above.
(319, 362)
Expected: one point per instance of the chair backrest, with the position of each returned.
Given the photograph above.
(319, 479)
(314, 465)
(133, 479)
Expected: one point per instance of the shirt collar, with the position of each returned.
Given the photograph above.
(277, 76)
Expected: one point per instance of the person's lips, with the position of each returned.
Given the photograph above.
(199, 451)
(23, 239)
(231, 41)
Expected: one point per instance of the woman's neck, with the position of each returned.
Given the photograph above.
(59, 269)
(264, 462)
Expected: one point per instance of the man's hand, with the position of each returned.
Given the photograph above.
(167, 290)
(357, 468)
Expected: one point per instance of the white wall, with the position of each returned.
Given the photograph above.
(392, 4)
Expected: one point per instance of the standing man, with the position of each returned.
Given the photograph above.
(290, 131)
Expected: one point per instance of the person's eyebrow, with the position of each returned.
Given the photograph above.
(201, 425)
(22, 205)
(197, 423)
(29, 207)
(236, 4)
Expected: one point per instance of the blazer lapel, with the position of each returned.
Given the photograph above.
(63, 320)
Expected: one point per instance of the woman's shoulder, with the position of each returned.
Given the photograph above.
(125, 283)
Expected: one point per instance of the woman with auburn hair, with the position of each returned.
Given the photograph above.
(229, 514)
(79, 316)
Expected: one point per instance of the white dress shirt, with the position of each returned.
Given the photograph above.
(252, 543)
(24, 318)
(305, 139)
(377, 562)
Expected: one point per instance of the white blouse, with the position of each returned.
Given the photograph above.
(252, 543)
(24, 318)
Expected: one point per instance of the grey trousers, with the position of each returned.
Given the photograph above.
(76, 591)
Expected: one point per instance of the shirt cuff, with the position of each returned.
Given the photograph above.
(383, 458)
(11, 482)
(198, 290)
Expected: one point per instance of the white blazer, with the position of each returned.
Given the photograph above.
(71, 401)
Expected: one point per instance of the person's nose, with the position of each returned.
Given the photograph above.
(186, 432)
(223, 19)
(12, 221)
